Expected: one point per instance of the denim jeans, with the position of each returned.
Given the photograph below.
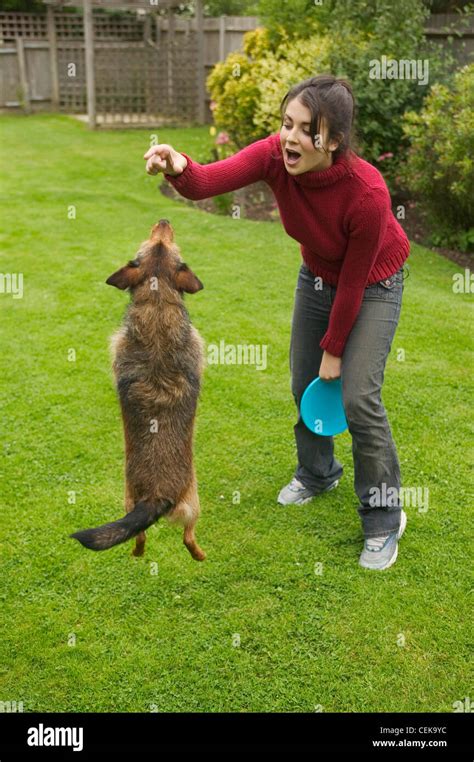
(362, 372)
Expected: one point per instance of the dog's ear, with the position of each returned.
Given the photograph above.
(126, 277)
(185, 280)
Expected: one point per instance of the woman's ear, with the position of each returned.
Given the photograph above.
(334, 144)
(185, 280)
(126, 277)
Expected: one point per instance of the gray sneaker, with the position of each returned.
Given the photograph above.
(381, 552)
(296, 493)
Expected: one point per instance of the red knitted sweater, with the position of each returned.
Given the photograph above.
(341, 217)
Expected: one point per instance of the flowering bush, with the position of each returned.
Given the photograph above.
(440, 165)
(235, 91)
(247, 88)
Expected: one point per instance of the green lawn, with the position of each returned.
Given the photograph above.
(87, 631)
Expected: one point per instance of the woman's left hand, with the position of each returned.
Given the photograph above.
(330, 367)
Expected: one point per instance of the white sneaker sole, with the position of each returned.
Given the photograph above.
(403, 523)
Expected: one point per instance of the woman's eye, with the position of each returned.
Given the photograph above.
(288, 127)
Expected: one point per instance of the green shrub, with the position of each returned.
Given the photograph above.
(440, 161)
(293, 61)
(235, 89)
(397, 33)
(248, 87)
(300, 18)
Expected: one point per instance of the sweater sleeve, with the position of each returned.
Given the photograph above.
(367, 230)
(245, 167)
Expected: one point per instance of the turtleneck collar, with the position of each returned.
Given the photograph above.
(341, 166)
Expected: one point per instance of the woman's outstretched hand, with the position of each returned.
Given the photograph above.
(330, 367)
(163, 158)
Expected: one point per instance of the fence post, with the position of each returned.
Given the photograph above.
(20, 49)
(201, 85)
(170, 44)
(90, 75)
(53, 58)
(158, 30)
(147, 28)
(222, 26)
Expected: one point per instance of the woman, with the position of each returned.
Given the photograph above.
(349, 289)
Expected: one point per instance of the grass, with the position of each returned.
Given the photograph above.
(108, 632)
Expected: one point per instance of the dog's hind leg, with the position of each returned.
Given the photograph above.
(139, 548)
(187, 513)
(189, 540)
(190, 518)
(130, 503)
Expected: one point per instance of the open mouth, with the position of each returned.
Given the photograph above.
(292, 157)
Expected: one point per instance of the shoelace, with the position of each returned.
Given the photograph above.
(375, 544)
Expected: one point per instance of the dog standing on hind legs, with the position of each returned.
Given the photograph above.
(158, 363)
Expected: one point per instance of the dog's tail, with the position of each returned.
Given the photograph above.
(106, 536)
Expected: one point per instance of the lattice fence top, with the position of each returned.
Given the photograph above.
(22, 25)
(127, 26)
(119, 5)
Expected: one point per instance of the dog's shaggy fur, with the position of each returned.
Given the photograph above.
(158, 363)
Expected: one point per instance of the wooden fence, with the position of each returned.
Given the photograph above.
(145, 68)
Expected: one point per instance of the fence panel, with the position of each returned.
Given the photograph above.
(72, 76)
(143, 70)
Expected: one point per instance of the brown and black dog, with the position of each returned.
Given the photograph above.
(158, 363)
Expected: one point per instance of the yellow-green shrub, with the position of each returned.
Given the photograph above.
(440, 160)
(248, 86)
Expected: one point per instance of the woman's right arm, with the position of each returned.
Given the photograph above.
(197, 181)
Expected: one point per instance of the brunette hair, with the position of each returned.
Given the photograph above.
(332, 98)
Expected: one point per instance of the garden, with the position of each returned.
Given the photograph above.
(279, 618)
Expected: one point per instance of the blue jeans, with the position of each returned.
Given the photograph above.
(362, 373)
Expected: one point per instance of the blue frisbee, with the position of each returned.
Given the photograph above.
(321, 407)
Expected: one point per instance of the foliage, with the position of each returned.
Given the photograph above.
(231, 7)
(440, 162)
(23, 6)
(248, 87)
(296, 19)
(235, 89)
(302, 18)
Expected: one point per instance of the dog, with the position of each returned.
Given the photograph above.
(158, 361)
